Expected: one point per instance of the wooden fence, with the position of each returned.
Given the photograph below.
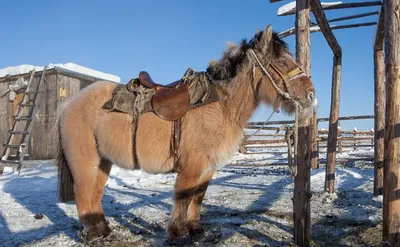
(274, 137)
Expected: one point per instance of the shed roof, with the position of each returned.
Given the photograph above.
(71, 69)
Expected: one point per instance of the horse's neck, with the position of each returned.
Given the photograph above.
(240, 101)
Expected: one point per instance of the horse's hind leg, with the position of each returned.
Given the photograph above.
(98, 227)
(189, 184)
(90, 174)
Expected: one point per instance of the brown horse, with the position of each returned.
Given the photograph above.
(91, 139)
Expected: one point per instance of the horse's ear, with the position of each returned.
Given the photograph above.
(266, 38)
(257, 31)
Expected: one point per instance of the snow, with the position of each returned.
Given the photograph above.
(292, 6)
(244, 205)
(22, 69)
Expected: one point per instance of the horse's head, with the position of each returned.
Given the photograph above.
(279, 80)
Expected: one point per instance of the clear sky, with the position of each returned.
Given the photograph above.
(167, 37)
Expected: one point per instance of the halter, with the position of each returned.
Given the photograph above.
(286, 78)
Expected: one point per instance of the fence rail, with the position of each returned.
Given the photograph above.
(274, 139)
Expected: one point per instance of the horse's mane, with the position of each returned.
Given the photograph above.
(233, 59)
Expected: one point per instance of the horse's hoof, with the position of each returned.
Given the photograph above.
(95, 236)
(196, 231)
(180, 241)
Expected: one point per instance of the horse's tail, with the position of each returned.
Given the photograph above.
(65, 179)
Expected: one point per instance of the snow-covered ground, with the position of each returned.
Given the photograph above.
(244, 206)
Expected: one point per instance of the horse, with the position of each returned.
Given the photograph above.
(92, 139)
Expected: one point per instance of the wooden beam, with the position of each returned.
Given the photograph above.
(391, 194)
(339, 6)
(335, 95)
(380, 31)
(350, 17)
(292, 31)
(333, 125)
(324, 26)
(319, 120)
(302, 193)
(379, 107)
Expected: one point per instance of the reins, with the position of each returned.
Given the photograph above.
(286, 78)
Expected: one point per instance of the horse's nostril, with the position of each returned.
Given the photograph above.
(311, 96)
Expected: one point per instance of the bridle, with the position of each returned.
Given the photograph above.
(286, 78)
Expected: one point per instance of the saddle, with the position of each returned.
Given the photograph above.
(170, 102)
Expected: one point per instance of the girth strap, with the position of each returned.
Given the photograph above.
(175, 142)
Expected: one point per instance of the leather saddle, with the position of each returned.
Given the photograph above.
(170, 102)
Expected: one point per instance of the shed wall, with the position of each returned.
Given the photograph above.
(56, 89)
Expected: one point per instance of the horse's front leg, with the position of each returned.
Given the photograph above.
(193, 214)
(188, 181)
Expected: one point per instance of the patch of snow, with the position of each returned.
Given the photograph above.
(287, 8)
(138, 205)
(22, 69)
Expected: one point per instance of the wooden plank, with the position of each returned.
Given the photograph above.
(319, 120)
(379, 107)
(36, 138)
(302, 193)
(324, 26)
(285, 163)
(391, 195)
(50, 116)
(351, 17)
(291, 31)
(4, 120)
(340, 6)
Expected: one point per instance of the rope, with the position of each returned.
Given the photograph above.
(262, 126)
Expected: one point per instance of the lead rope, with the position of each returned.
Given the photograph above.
(262, 126)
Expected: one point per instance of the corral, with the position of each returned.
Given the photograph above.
(330, 208)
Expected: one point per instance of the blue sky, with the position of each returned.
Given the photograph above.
(167, 37)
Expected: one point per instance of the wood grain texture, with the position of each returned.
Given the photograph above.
(391, 202)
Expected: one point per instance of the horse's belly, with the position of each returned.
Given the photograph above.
(153, 144)
(114, 138)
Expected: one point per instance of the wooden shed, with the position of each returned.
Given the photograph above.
(59, 85)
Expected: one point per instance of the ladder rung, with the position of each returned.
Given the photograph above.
(17, 157)
(32, 92)
(23, 118)
(27, 105)
(12, 145)
(18, 132)
(10, 161)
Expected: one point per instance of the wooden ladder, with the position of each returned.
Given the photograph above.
(22, 125)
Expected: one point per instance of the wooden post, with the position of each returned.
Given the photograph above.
(379, 122)
(391, 201)
(355, 139)
(333, 125)
(335, 95)
(302, 194)
(314, 143)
